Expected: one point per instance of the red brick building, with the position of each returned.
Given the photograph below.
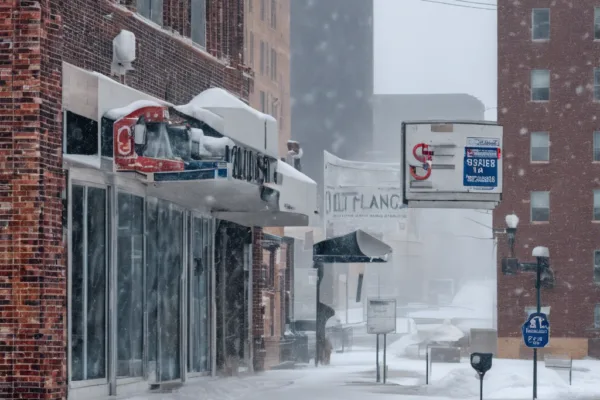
(549, 105)
(57, 212)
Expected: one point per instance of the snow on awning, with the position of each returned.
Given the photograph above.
(208, 117)
(242, 123)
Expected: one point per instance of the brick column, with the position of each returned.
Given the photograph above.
(33, 282)
(258, 285)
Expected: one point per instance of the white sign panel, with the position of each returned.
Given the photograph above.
(362, 195)
(381, 316)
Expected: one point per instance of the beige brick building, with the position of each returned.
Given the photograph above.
(267, 53)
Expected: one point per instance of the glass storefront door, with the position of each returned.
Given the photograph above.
(130, 286)
(198, 311)
(164, 268)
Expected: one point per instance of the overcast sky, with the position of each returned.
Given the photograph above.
(423, 47)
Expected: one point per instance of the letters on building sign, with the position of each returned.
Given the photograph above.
(361, 203)
(250, 166)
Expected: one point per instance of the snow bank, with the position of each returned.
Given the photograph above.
(117, 113)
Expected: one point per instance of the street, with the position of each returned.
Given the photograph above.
(351, 376)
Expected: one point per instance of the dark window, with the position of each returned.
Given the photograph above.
(81, 135)
(130, 285)
(198, 22)
(540, 206)
(597, 266)
(262, 57)
(88, 283)
(251, 49)
(107, 137)
(597, 316)
(151, 9)
(274, 14)
(540, 24)
(597, 84)
(273, 64)
(597, 23)
(263, 9)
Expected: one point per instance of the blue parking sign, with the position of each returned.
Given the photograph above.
(481, 167)
(536, 331)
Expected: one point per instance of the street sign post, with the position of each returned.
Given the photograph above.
(536, 331)
(381, 319)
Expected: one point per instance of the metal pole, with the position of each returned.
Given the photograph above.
(538, 308)
(377, 356)
(317, 344)
(426, 366)
(347, 274)
(480, 387)
(384, 363)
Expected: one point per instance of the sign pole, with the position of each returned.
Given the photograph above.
(539, 310)
(377, 356)
(384, 363)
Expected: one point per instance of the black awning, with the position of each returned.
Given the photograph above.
(355, 247)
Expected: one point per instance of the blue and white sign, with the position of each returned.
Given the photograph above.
(481, 167)
(536, 331)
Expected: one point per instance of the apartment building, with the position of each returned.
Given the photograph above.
(549, 105)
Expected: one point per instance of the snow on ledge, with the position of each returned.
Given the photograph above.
(118, 113)
(286, 169)
(541, 251)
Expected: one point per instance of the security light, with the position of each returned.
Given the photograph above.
(512, 221)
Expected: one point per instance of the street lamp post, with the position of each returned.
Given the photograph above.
(543, 274)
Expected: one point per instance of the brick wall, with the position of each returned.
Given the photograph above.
(168, 65)
(258, 285)
(33, 273)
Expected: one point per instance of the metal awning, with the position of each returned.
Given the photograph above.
(355, 247)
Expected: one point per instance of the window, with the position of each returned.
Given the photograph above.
(151, 9)
(262, 57)
(540, 206)
(540, 85)
(274, 14)
(274, 109)
(88, 282)
(597, 316)
(596, 154)
(540, 24)
(250, 5)
(263, 9)
(596, 205)
(251, 49)
(597, 84)
(597, 23)
(198, 22)
(273, 64)
(130, 290)
(81, 135)
(263, 101)
(596, 266)
(540, 146)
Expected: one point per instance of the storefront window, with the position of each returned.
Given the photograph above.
(164, 266)
(130, 285)
(198, 313)
(88, 284)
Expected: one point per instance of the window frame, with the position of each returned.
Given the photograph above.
(531, 147)
(532, 87)
(596, 23)
(597, 314)
(595, 134)
(533, 13)
(193, 20)
(596, 84)
(596, 281)
(107, 292)
(531, 208)
(595, 192)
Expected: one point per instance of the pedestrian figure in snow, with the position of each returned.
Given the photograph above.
(327, 352)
